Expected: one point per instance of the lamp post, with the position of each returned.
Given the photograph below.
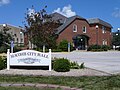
(21, 33)
(118, 30)
(96, 34)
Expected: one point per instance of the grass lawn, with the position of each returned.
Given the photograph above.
(24, 88)
(85, 82)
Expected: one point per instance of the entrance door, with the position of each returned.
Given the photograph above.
(80, 42)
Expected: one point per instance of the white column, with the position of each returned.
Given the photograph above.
(8, 59)
(43, 48)
(50, 66)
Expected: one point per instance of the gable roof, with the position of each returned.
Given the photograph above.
(99, 21)
(56, 16)
(68, 21)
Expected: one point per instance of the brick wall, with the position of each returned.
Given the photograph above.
(68, 33)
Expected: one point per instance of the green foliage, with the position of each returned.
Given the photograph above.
(61, 65)
(116, 39)
(47, 50)
(75, 65)
(41, 28)
(5, 37)
(3, 63)
(3, 49)
(82, 66)
(105, 47)
(63, 45)
(84, 82)
(17, 48)
(98, 48)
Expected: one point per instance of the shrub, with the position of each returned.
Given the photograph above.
(61, 65)
(105, 47)
(119, 49)
(82, 66)
(3, 49)
(3, 62)
(74, 65)
(63, 45)
(98, 48)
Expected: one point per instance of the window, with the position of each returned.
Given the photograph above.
(15, 35)
(84, 29)
(21, 40)
(104, 42)
(74, 28)
(17, 39)
(103, 29)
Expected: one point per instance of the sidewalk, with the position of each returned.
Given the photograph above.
(41, 86)
(72, 72)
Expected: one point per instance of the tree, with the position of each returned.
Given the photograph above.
(116, 39)
(41, 28)
(4, 39)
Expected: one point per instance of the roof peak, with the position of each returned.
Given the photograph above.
(99, 21)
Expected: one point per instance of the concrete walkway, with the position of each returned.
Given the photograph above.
(41, 86)
(72, 72)
(104, 61)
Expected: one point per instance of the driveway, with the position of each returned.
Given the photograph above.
(104, 61)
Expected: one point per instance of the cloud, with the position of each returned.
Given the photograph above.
(66, 11)
(116, 13)
(3, 2)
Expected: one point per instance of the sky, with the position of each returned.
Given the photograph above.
(13, 11)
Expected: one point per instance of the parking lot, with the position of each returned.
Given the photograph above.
(104, 61)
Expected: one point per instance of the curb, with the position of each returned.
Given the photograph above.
(37, 86)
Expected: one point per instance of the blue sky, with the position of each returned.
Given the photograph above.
(13, 11)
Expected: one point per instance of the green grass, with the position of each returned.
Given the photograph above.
(25, 88)
(85, 82)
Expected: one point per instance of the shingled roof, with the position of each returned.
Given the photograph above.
(99, 21)
(56, 16)
(68, 21)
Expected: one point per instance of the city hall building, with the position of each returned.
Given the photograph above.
(81, 32)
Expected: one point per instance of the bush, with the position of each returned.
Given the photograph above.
(3, 49)
(3, 63)
(105, 47)
(74, 65)
(98, 48)
(82, 66)
(63, 45)
(61, 65)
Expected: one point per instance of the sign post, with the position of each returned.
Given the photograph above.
(8, 59)
(12, 45)
(68, 47)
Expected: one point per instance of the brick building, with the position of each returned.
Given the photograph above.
(83, 32)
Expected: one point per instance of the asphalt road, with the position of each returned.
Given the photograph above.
(104, 61)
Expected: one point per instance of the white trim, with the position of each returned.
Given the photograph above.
(8, 59)
(84, 27)
(74, 28)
